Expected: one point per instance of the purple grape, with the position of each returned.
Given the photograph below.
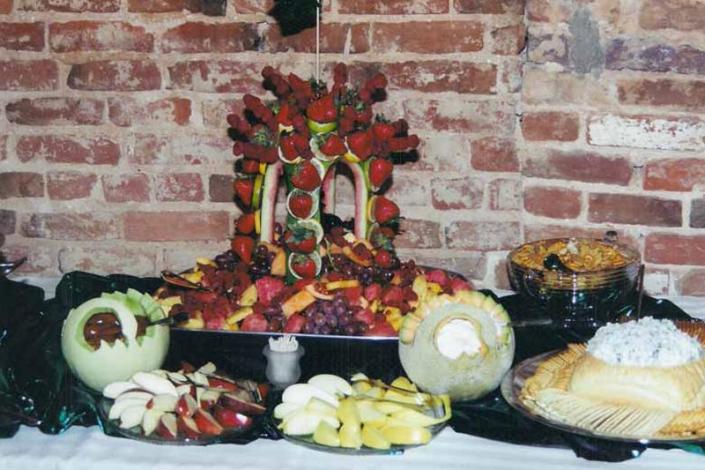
(319, 319)
(350, 330)
(341, 310)
(328, 308)
(331, 320)
(325, 330)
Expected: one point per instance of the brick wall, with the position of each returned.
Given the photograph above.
(114, 158)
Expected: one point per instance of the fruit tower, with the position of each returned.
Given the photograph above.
(302, 137)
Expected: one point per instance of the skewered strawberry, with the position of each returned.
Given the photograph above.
(322, 110)
(250, 166)
(385, 210)
(306, 177)
(285, 117)
(246, 223)
(243, 246)
(380, 170)
(244, 188)
(303, 266)
(333, 146)
(400, 144)
(300, 240)
(300, 204)
(384, 259)
(288, 148)
(294, 324)
(383, 131)
(303, 146)
(360, 144)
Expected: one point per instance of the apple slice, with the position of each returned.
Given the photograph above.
(207, 368)
(332, 384)
(163, 402)
(237, 404)
(132, 416)
(167, 426)
(186, 389)
(301, 393)
(206, 423)
(222, 383)
(188, 427)
(198, 379)
(230, 419)
(120, 406)
(177, 377)
(154, 383)
(186, 405)
(139, 394)
(113, 390)
(150, 420)
(282, 410)
(209, 397)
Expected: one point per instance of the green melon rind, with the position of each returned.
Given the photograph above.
(467, 377)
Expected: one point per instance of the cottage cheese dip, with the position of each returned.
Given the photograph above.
(644, 343)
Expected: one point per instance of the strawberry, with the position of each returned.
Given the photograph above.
(457, 285)
(364, 316)
(268, 287)
(294, 324)
(373, 291)
(360, 143)
(300, 204)
(379, 171)
(284, 118)
(393, 296)
(439, 277)
(385, 210)
(322, 110)
(353, 294)
(306, 177)
(384, 259)
(304, 267)
(383, 131)
(300, 240)
(288, 148)
(246, 223)
(243, 247)
(254, 322)
(333, 146)
(243, 189)
(249, 166)
(381, 328)
(303, 145)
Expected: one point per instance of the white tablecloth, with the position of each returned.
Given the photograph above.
(89, 448)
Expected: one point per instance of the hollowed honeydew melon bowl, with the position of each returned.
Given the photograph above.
(123, 358)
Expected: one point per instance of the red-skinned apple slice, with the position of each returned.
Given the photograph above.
(189, 389)
(167, 426)
(209, 397)
(186, 406)
(163, 402)
(237, 404)
(188, 427)
(222, 383)
(150, 421)
(206, 423)
(230, 419)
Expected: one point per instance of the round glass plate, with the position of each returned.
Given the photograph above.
(307, 441)
(137, 434)
(513, 383)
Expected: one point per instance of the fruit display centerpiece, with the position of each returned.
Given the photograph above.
(314, 273)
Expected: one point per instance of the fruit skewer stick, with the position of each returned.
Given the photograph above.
(269, 201)
(362, 195)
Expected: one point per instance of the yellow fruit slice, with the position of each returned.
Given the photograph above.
(404, 383)
(348, 413)
(258, 221)
(388, 407)
(249, 296)
(373, 437)
(350, 436)
(406, 435)
(361, 388)
(326, 435)
(239, 315)
(369, 414)
(320, 406)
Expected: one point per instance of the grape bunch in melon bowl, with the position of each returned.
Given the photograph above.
(310, 272)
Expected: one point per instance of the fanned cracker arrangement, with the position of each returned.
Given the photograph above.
(641, 379)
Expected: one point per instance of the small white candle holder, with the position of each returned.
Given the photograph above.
(283, 367)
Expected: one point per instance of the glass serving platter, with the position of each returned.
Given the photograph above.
(112, 426)
(513, 383)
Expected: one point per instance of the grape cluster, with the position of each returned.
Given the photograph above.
(226, 261)
(275, 316)
(366, 275)
(261, 264)
(330, 317)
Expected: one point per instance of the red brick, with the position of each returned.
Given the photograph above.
(223, 76)
(483, 235)
(162, 6)
(125, 188)
(210, 37)
(3, 147)
(489, 6)
(668, 248)
(456, 193)
(59, 149)
(549, 11)
(55, 111)
(509, 40)
(220, 188)
(216, 111)
(442, 152)
(99, 36)
(21, 184)
(416, 233)
(68, 185)
(460, 115)
(40, 259)
(186, 149)
(472, 264)
(256, 6)
(28, 75)
(677, 94)
(501, 276)
(115, 75)
(126, 112)
(5, 7)
(674, 175)
(493, 154)
(647, 55)
(176, 226)
(505, 195)
(691, 282)
(393, 7)
(108, 260)
(543, 86)
(557, 203)
(550, 125)
(428, 37)
(179, 187)
(637, 210)
(334, 37)
(579, 165)
(685, 15)
(548, 48)
(697, 213)
(409, 188)
(646, 131)
(8, 223)
(22, 36)
(74, 226)
(73, 6)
